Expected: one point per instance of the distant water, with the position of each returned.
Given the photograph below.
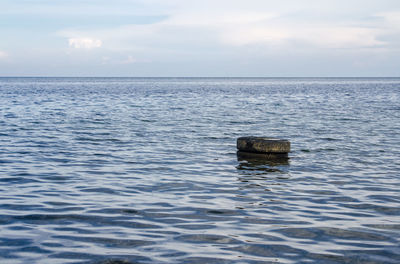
(144, 170)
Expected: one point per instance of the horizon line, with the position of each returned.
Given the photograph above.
(210, 77)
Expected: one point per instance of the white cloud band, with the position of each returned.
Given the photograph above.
(84, 43)
(3, 54)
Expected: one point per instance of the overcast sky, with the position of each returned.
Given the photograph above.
(285, 38)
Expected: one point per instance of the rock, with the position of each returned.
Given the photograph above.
(263, 145)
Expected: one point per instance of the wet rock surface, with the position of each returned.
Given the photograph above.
(263, 145)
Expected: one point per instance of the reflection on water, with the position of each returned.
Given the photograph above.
(134, 170)
(258, 165)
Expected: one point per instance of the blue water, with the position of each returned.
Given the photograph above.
(144, 170)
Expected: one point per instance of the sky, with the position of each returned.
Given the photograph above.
(193, 38)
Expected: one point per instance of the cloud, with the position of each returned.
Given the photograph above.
(391, 18)
(84, 43)
(129, 60)
(3, 54)
(122, 60)
(280, 26)
(214, 26)
(307, 35)
(255, 35)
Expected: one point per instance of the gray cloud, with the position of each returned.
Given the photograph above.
(254, 37)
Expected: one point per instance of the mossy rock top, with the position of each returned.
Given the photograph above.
(263, 145)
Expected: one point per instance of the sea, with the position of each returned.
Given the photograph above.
(145, 170)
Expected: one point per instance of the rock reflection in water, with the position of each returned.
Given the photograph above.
(258, 165)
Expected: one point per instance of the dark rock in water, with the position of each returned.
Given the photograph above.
(271, 146)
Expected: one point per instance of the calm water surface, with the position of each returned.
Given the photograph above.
(136, 170)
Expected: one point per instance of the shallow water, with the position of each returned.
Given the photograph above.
(144, 170)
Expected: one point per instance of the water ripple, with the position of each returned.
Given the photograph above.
(136, 170)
